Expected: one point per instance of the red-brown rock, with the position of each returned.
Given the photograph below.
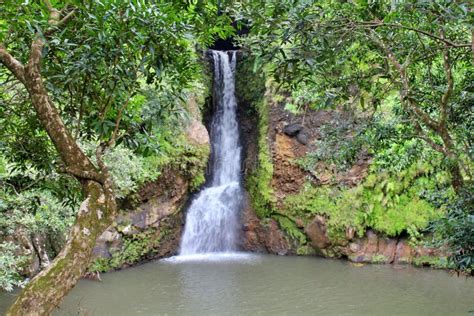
(317, 232)
(403, 252)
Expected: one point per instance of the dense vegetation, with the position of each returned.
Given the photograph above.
(93, 102)
(404, 69)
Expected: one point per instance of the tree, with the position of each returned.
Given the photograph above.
(363, 50)
(80, 65)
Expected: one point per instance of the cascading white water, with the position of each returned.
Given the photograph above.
(213, 218)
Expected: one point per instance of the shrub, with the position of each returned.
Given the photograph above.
(456, 230)
(10, 264)
(390, 204)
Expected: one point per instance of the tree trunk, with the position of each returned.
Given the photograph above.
(457, 180)
(45, 291)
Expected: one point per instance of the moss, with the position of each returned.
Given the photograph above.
(196, 166)
(291, 229)
(305, 250)
(259, 181)
(135, 248)
(389, 204)
(189, 160)
(435, 262)
(379, 259)
(250, 90)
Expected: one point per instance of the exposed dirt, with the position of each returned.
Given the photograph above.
(288, 177)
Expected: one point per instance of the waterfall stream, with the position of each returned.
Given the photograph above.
(212, 220)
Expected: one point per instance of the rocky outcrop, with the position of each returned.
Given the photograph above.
(150, 230)
(150, 221)
(263, 237)
(266, 236)
(317, 233)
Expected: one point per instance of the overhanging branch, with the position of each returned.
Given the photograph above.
(12, 64)
(400, 26)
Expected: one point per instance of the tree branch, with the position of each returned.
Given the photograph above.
(54, 19)
(113, 138)
(83, 174)
(405, 93)
(438, 38)
(12, 64)
(449, 90)
(422, 135)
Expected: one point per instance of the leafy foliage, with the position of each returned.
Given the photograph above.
(390, 204)
(457, 229)
(359, 53)
(341, 141)
(291, 229)
(10, 263)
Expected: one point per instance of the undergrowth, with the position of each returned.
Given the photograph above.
(388, 203)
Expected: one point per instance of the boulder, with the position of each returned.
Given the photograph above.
(292, 129)
(197, 134)
(101, 250)
(275, 240)
(302, 138)
(317, 232)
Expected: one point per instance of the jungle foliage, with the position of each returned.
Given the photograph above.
(93, 97)
(90, 90)
(404, 70)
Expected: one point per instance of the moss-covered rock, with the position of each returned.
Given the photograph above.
(150, 221)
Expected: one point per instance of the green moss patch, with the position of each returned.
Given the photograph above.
(259, 182)
(389, 204)
(134, 249)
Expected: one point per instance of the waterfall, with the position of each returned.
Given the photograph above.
(212, 220)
